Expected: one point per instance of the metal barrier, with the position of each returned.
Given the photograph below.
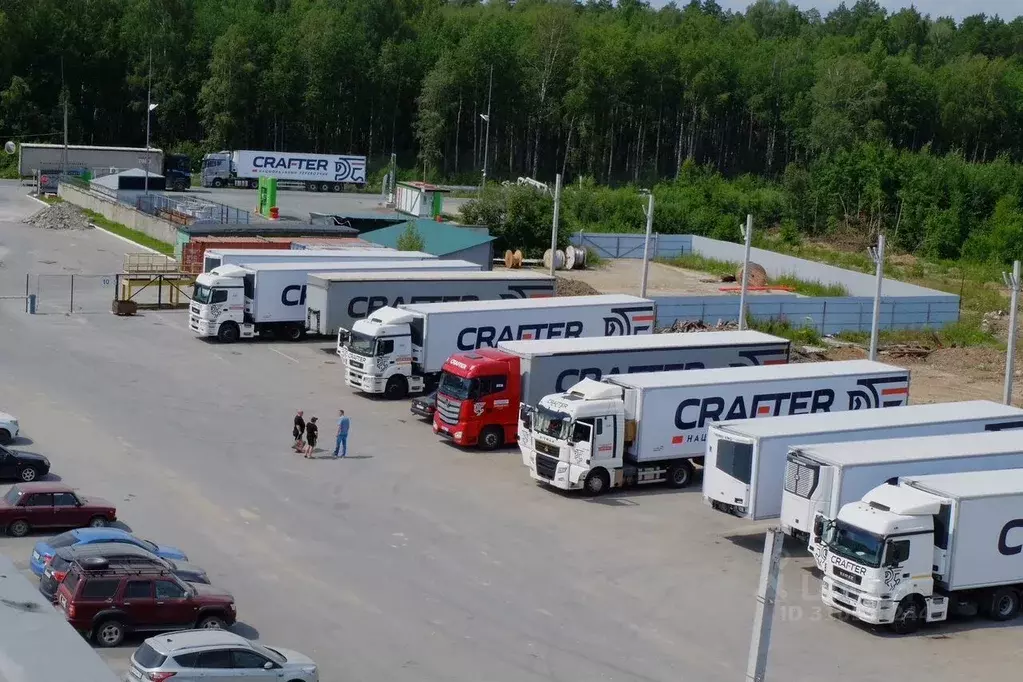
(70, 293)
(190, 210)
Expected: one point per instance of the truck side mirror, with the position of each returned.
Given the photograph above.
(818, 528)
(526, 416)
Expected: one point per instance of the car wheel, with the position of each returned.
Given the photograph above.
(28, 474)
(5, 436)
(18, 529)
(596, 483)
(98, 522)
(491, 438)
(110, 633)
(211, 623)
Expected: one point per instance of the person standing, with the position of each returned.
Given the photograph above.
(298, 431)
(341, 446)
(312, 431)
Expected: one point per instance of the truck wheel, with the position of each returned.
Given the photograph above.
(322, 187)
(680, 474)
(491, 438)
(908, 616)
(294, 332)
(218, 183)
(337, 187)
(1002, 604)
(396, 388)
(253, 184)
(596, 483)
(228, 333)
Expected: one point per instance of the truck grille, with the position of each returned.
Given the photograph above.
(800, 479)
(546, 449)
(194, 310)
(546, 466)
(448, 410)
(355, 364)
(846, 575)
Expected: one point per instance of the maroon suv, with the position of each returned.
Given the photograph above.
(106, 602)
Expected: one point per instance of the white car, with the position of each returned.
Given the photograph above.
(8, 428)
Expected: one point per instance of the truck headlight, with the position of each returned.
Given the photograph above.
(869, 603)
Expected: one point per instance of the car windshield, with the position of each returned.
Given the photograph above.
(361, 344)
(551, 423)
(854, 543)
(455, 386)
(272, 654)
(12, 496)
(62, 540)
(201, 293)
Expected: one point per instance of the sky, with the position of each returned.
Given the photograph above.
(1006, 9)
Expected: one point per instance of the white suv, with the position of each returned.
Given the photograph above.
(8, 428)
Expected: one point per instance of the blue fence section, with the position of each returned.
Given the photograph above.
(631, 245)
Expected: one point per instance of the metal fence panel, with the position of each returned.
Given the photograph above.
(631, 245)
(72, 293)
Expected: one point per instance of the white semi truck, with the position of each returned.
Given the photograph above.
(234, 302)
(646, 428)
(747, 470)
(214, 258)
(396, 351)
(926, 547)
(312, 172)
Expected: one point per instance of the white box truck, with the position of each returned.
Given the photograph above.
(214, 258)
(312, 172)
(396, 351)
(335, 300)
(633, 429)
(927, 547)
(746, 463)
(532, 369)
(242, 301)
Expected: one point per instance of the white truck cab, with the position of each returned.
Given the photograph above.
(380, 347)
(219, 297)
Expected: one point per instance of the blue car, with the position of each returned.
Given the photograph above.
(45, 549)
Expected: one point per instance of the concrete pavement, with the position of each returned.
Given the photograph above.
(413, 561)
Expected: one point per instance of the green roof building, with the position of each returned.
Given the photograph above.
(444, 240)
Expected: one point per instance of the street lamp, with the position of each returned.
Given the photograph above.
(149, 112)
(486, 140)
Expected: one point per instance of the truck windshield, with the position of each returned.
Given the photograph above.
(361, 344)
(551, 423)
(854, 543)
(455, 386)
(201, 293)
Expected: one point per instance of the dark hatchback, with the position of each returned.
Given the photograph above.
(424, 406)
(21, 465)
(116, 554)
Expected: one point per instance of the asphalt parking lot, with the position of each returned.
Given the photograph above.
(412, 560)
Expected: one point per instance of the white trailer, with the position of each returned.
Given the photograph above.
(214, 258)
(748, 471)
(645, 428)
(400, 350)
(50, 159)
(334, 301)
(926, 547)
(234, 302)
(312, 172)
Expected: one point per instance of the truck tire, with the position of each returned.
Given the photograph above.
(228, 333)
(218, 183)
(294, 332)
(322, 187)
(597, 482)
(491, 438)
(680, 474)
(253, 184)
(1002, 604)
(909, 616)
(396, 388)
(337, 187)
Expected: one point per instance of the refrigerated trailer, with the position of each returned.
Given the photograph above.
(214, 258)
(646, 428)
(234, 302)
(312, 172)
(396, 351)
(533, 369)
(925, 547)
(748, 473)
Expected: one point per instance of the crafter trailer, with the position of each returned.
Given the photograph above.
(234, 302)
(312, 172)
(214, 258)
(646, 428)
(925, 547)
(395, 351)
(748, 471)
(533, 369)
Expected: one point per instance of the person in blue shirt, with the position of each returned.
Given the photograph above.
(342, 435)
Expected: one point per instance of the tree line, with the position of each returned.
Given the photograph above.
(858, 118)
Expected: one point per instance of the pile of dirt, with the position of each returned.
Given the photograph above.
(972, 360)
(566, 286)
(683, 326)
(996, 323)
(62, 216)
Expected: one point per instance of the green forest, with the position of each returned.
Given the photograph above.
(848, 123)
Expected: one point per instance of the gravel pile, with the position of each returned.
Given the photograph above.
(62, 216)
(564, 286)
(683, 326)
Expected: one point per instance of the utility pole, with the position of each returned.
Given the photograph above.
(877, 253)
(486, 136)
(646, 242)
(1011, 281)
(760, 643)
(554, 230)
(65, 98)
(747, 233)
(149, 112)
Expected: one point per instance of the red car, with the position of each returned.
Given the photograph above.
(51, 505)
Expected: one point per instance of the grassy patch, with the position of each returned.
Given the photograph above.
(804, 336)
(965, 332)
(120, 230)
(713, 266)
(50, 199)
(810, 287)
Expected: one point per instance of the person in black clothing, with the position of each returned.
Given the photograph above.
(298, 431)
(311, 432)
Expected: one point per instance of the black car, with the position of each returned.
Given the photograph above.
(424, 406)
(21, 465)
(116, 554)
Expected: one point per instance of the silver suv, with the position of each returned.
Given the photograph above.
(194, 655)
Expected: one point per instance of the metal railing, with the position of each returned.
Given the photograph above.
(190, 210)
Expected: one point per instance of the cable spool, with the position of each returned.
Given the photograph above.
(558, 256)
(580, 257)
(517, 259)
(570, 257)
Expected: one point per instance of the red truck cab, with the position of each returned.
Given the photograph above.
(478, 399)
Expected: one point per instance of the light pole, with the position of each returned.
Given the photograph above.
(149, 112)
(1011, 281)
(486, 136)
(877, 254)
(554, 226)
(649, 210)
(747, 233)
